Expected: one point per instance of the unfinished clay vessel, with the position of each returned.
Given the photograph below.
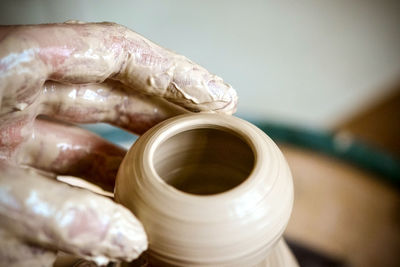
(210, 190)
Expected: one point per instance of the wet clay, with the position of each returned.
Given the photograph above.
(210, 190)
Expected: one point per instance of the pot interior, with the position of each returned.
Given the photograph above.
(204, 161)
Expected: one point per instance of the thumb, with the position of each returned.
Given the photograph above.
(57, 216)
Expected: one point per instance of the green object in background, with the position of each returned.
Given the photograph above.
(339, 146)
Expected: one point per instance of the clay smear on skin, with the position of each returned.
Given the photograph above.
(75, 54)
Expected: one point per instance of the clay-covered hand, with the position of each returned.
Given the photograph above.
(56, 74)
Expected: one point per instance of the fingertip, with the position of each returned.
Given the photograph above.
(198, 90)
(102, 231)
(225, 96)
(127, 234)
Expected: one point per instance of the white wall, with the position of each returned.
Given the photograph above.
(309, 63)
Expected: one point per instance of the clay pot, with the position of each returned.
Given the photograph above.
(210, 190)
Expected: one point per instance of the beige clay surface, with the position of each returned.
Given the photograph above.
(210, 190)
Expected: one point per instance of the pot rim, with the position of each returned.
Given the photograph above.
(242, 129)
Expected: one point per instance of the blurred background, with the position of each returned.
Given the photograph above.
(322, 78)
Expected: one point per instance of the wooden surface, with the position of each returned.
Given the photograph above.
(342, 211)
(377, 124)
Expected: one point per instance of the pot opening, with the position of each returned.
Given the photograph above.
(204, 161)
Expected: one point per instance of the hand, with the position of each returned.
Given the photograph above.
(82, 73)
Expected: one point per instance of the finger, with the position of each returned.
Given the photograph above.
(109, 102)
(66, 149)
(76, 221)
(15, 253)
(93, 52)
